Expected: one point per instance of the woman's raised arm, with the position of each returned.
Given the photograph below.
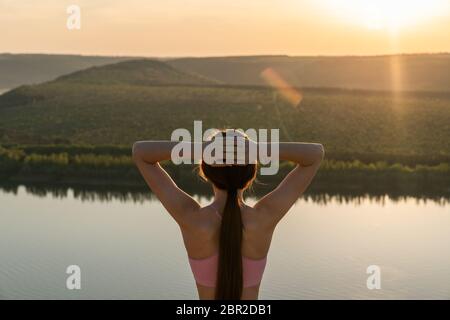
(152, 152)
(308, 157)
(147, 155)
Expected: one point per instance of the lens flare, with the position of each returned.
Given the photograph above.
(286, 91)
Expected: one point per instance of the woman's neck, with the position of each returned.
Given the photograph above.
(220, 198)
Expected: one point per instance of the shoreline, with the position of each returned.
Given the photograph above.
(346, 187)
(111, 168)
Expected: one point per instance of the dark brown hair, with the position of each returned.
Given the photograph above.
(230, 178)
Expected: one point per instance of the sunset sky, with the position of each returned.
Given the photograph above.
(218, 27)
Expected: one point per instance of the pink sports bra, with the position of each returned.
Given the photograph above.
(205, 270)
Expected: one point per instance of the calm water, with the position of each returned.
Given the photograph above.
(129, 249)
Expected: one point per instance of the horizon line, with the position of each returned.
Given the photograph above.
(229, 56)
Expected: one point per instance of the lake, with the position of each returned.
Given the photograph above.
(131, 248)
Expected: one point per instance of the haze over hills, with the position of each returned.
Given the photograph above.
(88, 107)
(19, 69)
(421, 72)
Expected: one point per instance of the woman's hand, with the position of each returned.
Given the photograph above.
(237, 149)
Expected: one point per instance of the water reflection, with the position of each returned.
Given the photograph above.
(129, 248)
(317, 193)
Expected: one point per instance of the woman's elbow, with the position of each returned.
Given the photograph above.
(136, 151)
(320, 152)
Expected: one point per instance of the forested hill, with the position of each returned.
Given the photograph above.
(415, 72)
(119, 104)
(145, 72)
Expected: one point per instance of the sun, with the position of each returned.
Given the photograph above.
(387, 14)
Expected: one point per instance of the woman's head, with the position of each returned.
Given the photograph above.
(229, 177)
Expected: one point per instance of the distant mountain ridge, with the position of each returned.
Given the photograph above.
(412, 72)
(136, 72)
(20, 69)
(143, 72)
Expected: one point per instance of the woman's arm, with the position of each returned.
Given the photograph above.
(308, 157)
(152, 152)
(305, 154)
(155, 151)
(147, 155)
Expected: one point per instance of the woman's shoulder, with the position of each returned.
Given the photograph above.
(256, 218)
(210, 211)
(203, 224)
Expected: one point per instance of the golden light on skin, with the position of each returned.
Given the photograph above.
(387, 14)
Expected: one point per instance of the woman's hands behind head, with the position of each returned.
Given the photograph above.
(231, 148)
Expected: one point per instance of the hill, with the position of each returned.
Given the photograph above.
(420, 72)
(143, 72)
(20, 69)
(92, 107)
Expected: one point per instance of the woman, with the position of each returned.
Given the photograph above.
(227, 241)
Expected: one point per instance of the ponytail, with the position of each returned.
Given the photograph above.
(229, 274)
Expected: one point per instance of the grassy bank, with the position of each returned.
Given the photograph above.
(112, 166)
